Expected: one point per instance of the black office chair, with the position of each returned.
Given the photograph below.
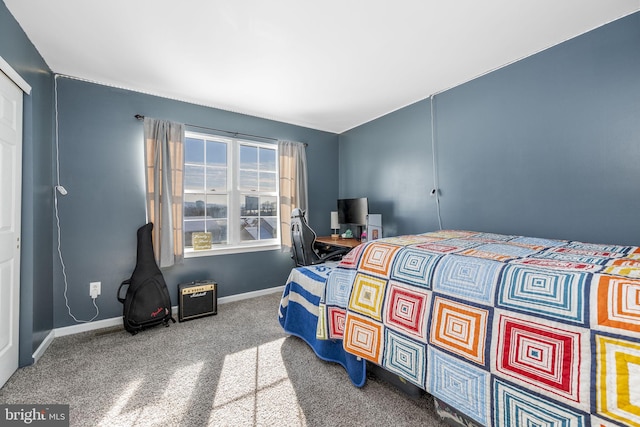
(304, 249)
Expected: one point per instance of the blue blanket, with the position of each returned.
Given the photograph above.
(298, 315)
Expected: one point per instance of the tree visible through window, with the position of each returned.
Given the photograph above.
(230, 191)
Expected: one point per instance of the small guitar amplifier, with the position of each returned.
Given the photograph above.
(197, 299)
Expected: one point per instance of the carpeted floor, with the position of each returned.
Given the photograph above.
(237, 368)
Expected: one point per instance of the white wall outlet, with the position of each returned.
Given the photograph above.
(94, 289)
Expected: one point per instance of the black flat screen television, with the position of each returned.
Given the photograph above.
(353, 211)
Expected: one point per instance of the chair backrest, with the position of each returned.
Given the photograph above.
(302, 239)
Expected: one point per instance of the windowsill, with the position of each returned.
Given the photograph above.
(227, 250)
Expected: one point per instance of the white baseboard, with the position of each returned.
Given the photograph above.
(88, 326)
(117, 321)
(43, 346)
(252, 294)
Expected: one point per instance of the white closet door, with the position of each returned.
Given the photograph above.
(10, 203)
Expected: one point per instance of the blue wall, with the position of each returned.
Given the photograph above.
(389, 161)
(36, 312)
(101, 155)
(548, 146)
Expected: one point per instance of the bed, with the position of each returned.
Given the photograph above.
(501, 330)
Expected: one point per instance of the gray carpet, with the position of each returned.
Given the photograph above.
(237, 368)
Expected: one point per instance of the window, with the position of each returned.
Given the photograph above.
(230, 191)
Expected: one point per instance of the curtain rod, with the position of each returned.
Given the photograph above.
(141, 117)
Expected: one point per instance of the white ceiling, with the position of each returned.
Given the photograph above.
(329, 65)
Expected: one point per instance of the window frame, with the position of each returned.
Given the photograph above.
(234, 196)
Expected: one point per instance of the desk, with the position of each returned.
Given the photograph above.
(340, 242)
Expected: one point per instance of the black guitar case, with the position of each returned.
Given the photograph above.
(147, 301)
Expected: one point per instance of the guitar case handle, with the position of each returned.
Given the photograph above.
(125, 283)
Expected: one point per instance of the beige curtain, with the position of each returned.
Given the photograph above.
(293, 185)
(164, 163)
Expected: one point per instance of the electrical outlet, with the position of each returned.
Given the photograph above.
(94, 289)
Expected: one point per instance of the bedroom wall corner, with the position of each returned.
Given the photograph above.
(36, 312)
(389, 160)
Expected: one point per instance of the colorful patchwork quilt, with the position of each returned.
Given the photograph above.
(508, 330)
